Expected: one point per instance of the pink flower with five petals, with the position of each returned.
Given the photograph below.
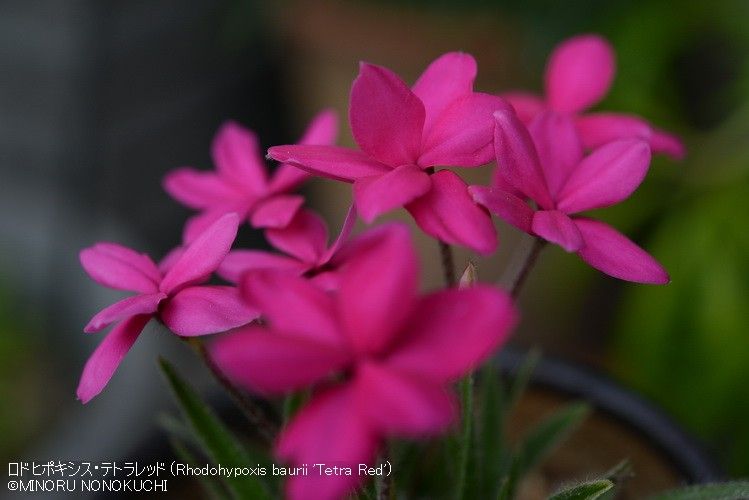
(579, 73)
(379, 355)
(545, 163)
(240, 183)
(170, 292)
(304, 241)
(402, 135)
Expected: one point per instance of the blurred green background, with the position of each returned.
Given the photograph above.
(97, 109)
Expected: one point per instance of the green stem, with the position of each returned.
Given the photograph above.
(448, 264)
(521, 264)
(466, 435)
(384, 485)
(255, 415)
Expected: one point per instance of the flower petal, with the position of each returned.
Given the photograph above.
(517, 160)
(288, 177)
(121, 268)
(333, 162)
(597, 129)
(327, 431)
(140, 261)
(607, 176)
(401, 405)
(326, 280)
(270, 362)
(322, 130)
(238, 262)
(202, 256)
(276, 293)
(447, 212)
(387, 119)
(346, 228)
(611, 252)
(668, 144)
(446, 79)
(305, 238)
(558, 146)
(527, 106)
(506, 205)
(378, 286)
(500, 183)
(201, 310)
(276, 211)
(198, 224)
(557, 227)
(579, 73)
(171, 258)
(463, 135)
(198, 189)
(238, 159)
(130, 306)
(379, 194)
(431, 347)
(106, 358)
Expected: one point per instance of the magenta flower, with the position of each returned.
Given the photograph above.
(240, 183)
(169, 292)
(554, 174)
(305, 241)
(402, 134)
(379, 355)
(579, 74)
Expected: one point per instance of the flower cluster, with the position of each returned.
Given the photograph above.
(346, 321)
(174, 291)
(378, 354)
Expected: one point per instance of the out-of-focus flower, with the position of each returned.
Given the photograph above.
(402, 135)
(554, 174)
(379, 355)
(579, 74)
(305, 243)
(240, 183)
(171, 292)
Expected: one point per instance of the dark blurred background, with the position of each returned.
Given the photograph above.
(98, 99)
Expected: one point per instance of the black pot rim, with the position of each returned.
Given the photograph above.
(686, 454)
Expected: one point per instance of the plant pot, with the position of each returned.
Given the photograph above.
(622, 426)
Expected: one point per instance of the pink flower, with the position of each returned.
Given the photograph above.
(379, 355)
(402, 134)
(554, 174)
(169, 292)
(240, 183)
(579, 74)
(305, 241)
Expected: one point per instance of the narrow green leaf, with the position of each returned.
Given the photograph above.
(505, 489)
(619, 473)
(368, 492)
(379, 487)
(509, 482)
(523, 377)
(292, 403)
(733, 490)
(212, 486)
(548, 434)
(489, 444)
(585, 491)
(219, 444)
(176, 428)
(466, 435)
